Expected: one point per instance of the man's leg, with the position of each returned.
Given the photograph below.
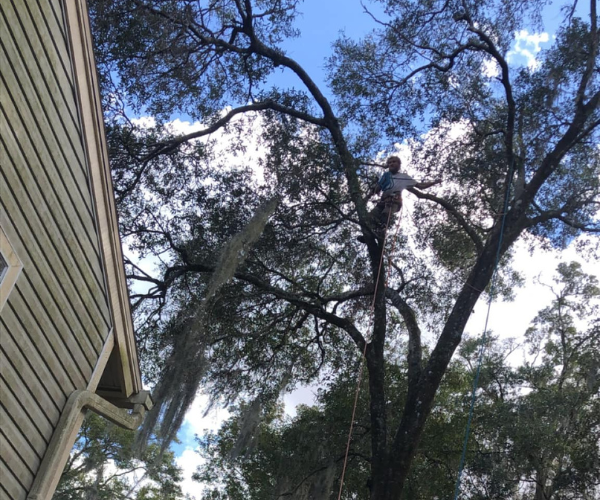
(375, 216)
(387, 218)
(380, 215)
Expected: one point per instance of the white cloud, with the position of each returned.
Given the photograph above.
(189, 461)
(527, 46)
(199, 421)
(250, 130)
(300, 396)
(144, 121)
(511, 319)
(135, 478)
(242, 130)
(491, 68)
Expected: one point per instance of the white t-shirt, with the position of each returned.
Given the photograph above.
(395, 183)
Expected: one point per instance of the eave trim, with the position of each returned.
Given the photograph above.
(92, 121)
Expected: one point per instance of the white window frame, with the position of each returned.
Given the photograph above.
(11, 274)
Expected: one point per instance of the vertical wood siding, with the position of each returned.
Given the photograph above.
(56, 318)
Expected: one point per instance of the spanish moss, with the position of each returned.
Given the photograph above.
(187, 364)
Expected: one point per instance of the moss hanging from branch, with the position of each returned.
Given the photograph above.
(322, 483)
(316, 486)
(251, 417)
(248, 427)
(187, 364)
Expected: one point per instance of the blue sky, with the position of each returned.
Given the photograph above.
(320, 24)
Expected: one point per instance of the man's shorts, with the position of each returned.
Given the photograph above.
(390, 204)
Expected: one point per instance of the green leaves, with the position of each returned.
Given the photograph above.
(437, 77)
(102, 466)
(535, 426)
(547, 413)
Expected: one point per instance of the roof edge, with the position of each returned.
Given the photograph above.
(94, 138)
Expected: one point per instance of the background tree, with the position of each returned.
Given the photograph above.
(538, 423)
(292, 457)
(103, 466)
(535, 430)
(293, 304)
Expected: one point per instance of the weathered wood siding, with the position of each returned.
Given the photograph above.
(56, 319)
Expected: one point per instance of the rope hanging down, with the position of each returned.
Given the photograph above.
(484, 334)
(364, 353)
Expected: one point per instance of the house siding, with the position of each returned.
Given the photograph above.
(56, 319)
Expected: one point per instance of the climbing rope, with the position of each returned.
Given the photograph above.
(483, 345)
(364, 353)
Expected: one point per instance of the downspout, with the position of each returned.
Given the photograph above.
(47, 477)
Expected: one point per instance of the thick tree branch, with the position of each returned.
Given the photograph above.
(173, 144)
(317, 310)
(489, 46)
(351, 294)
(289, 280)
(455, 213)
(558, 215)
(415, 353)
(592, 56)
(572, 136)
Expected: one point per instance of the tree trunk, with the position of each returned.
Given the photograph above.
(542, 491)
(388, 479)
(390, 484)
(539, 487)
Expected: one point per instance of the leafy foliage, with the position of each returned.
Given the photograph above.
(536, 424)
(515, 149)
(103, 466)
(539, 422)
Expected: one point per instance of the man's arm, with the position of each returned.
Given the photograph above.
(376, 189)
(425, 185)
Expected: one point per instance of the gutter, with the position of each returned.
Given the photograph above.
(70, 420)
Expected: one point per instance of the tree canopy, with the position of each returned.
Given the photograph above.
(103, 466)
(261, 283)
(535, 430)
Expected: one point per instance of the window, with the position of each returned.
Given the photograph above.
(3, 267)
(10, 267)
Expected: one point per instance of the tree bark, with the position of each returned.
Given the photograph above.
(388, 485)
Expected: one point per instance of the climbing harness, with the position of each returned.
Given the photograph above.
(364, 353)
(393, 199)
(484, 335)
(391, 204)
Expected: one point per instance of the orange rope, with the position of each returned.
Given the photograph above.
(364, 353)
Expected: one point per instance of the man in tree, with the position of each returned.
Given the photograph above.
(390, 185)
